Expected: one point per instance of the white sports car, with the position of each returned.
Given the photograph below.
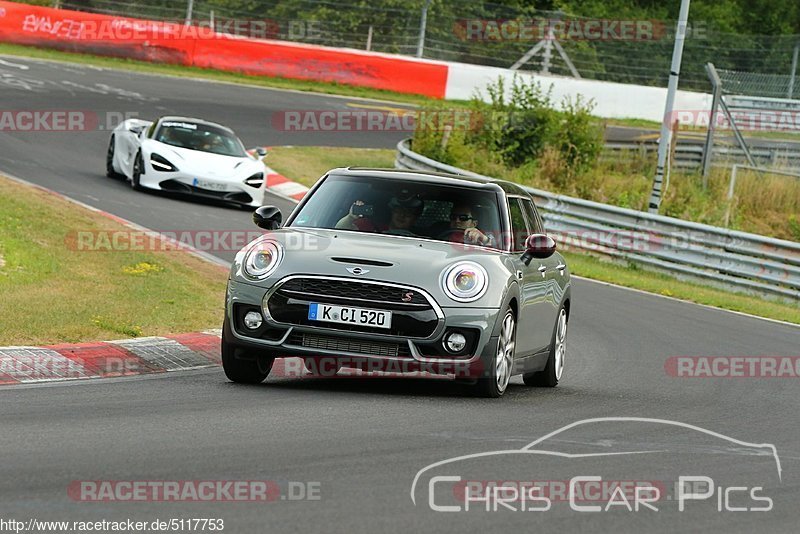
(184, 155)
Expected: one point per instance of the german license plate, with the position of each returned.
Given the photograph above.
(347, 315)
(210, 185)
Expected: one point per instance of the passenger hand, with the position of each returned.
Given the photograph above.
(356, 203)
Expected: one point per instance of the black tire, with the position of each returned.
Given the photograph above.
(245, 366)
(137, 172)
(110, 172)
(553, 371)
(491, 384)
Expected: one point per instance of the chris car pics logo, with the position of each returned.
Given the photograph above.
(548, 474)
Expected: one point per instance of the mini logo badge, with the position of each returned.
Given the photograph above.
(357, 270)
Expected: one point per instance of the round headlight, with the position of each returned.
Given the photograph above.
(465, 281)
(262, 259)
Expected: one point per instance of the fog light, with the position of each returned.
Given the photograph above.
(253, 320)
(455, 342)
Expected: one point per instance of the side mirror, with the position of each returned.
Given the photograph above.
(268, 217)
(261, 152)
(538, 246)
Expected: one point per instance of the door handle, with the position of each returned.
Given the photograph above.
(561, 266)
(542, 269)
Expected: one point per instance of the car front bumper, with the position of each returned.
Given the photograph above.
(176, 182)
(367, 351)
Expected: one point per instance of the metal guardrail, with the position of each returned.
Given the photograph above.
(733, 259)
(690, 155)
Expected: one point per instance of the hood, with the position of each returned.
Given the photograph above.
(401, 260)
(206, 164)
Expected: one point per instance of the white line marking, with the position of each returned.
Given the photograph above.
(19, 66)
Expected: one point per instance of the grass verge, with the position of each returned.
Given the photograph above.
(53, 293)
(306, 164)
(331, 88)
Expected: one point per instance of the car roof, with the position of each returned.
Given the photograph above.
(174, 118)
(431, 177)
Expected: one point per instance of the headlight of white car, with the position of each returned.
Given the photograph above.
(262, 259)
(256, 180)
(465, 281)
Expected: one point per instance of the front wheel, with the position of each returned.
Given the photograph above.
(554, 369)
(138, 164)
(110, 172)
(245, 366)
(495, 378)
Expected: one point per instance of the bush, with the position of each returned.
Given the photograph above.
(520, 129)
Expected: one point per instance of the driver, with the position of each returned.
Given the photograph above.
(212, 144)
(464, 227)
(405, 210)
(167, 136)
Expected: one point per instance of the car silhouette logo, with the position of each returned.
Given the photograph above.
(357, 270)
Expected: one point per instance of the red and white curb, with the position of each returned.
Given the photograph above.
(278, 183)
(127, 357)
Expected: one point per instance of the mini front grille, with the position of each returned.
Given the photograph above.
(315, 287)
(351, 345)
(413, 316)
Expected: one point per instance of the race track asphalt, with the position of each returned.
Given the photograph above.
(363, 441)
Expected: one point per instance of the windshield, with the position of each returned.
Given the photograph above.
(202, 137)
(432, 211)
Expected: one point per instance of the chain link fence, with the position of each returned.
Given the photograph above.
(486, 34)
